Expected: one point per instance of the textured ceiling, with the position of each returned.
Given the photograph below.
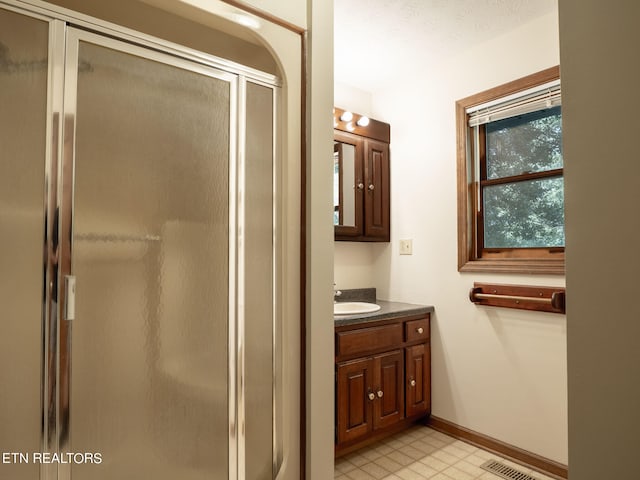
(375, 38)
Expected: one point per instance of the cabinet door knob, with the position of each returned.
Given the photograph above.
(412, 382)
(372, 396)
(380, 393)
(361, 186)
(371, 187)
(420, 330)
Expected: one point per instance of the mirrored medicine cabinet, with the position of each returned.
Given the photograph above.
(361, 187)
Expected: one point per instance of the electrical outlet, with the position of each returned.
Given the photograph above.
(406, 247)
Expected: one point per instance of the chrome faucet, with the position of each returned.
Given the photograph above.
(336, 293)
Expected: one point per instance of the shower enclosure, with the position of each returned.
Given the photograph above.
(137, 224)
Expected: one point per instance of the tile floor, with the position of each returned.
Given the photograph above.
(421, 453)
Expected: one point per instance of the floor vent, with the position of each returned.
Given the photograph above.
(505, 471)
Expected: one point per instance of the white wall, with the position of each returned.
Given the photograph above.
(500, 372)
(602, 177)
(354, 265)
(353, 98)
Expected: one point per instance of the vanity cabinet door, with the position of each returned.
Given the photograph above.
(349, 185)
(354, 399)
(376, 197)
(418, 379)
(388, 407)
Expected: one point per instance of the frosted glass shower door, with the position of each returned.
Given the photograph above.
(147, 352)
(23, 93)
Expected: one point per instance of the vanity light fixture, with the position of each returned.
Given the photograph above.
(359, 124)
(363, 121)
(346, 116)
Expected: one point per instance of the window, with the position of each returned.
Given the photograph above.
(510, 177)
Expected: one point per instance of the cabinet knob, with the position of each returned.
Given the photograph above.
(420, 330)
(361, 186)
(380, 393)
(371, 187)
(412, 382)
(372, 396)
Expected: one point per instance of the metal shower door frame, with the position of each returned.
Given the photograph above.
(65, 205)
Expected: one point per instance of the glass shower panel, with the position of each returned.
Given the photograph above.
(259, 246)
(149, 366)
(23, 109)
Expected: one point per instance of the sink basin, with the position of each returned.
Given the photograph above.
(352, 308)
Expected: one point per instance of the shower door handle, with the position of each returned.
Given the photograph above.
(70, 297)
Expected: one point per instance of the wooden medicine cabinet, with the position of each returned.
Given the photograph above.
(361, 178)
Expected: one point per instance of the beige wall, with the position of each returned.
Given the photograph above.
(500, 372)
(602, 175)
(296, 12)
(319, 233)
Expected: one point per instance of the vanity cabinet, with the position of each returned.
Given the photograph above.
(372, 395)
(383, 379)
(362, 184)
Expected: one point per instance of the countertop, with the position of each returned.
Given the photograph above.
(387, 310)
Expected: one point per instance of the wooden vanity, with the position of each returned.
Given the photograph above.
(383, 374)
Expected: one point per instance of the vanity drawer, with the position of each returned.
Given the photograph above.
(366, 340)
(417, 330)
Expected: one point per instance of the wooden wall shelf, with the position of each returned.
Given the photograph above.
(524, 297)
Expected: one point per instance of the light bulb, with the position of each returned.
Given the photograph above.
(346, 117)
(363, 121)
(350, 127)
